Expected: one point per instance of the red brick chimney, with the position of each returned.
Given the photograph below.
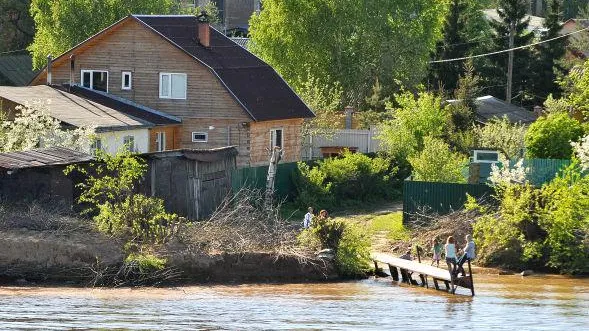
(204, 29)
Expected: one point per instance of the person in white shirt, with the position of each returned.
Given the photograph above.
(308, 218)
(450, 254)
(468, 254)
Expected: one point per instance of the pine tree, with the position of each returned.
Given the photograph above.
(548, 68)
(512, 12)
(454, 45)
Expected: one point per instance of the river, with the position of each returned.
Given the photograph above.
(501, 303)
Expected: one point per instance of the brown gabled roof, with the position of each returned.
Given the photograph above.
(42, 157)
(255, 85)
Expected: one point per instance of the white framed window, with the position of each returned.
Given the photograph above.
(172, 85)
(160, 140)
(276, 138)
(95, 79)
(129, 142)
(126, 80)
(485, 156)
(200, 137)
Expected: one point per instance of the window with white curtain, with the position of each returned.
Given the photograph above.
(172, 85)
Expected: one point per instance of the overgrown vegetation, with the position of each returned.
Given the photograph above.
(350, 179)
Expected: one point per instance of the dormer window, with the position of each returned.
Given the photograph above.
(95, 80)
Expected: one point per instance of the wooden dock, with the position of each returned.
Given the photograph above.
(406, 269)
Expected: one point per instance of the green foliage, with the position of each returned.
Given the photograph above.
(16, 25)
(335, 181)
(564, 218)
(62, 24)
(437, 163)
(550, 137)
(141, 218)
(350, 42)
(349, 240)
(109, 190)
(502, 135)
(415, 118)
(463, 110)
(146, 263)
(576, 86)
(325, 101)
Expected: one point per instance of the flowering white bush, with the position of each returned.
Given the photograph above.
(581, 150)
(33, 128)
(516, 174)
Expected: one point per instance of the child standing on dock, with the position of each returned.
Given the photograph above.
(450, 248)
(437, 250)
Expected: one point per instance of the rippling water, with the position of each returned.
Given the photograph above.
(501, 303)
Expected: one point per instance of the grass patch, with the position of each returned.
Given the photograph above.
(392, 224)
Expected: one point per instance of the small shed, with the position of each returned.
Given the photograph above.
(192, 182)
(37, 175)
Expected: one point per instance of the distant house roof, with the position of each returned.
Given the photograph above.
(73, 109)
(42, 157)
(489, 107)
(536, 22)
(241, 41)
(16, 68)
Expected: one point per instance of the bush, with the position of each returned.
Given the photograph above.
(141, 218)
(145, 262)
(351, 177)
(349, 241)
(437, 163)
(550, 137)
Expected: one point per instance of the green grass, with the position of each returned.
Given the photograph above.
(392, 224)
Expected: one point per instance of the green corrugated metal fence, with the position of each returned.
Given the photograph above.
(541, 170)
(439, 198)
(255, 177)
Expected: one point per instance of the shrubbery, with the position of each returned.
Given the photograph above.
(349, 242)
(351, 177)
(549, 137)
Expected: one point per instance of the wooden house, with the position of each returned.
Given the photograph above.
(117, 123)
(180, 65)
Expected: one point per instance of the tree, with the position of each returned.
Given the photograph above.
(502, 135)
(33, 128)
(547, 67)
(576, 86)
(437, 163)
(511, 12)
(62, 24)
(464, 109)
(351, 42)
(550, 137)
(464, 28)
(415, 118)
(16, 25)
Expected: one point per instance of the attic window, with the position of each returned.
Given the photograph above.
(95, 80)
(126, 83)
(172, 86)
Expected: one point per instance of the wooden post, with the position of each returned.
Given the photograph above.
(375, 268)
(394, 272)
(471, 279)
(436, 284)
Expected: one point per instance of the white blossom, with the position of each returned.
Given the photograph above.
(581, 150)
(506, 174)
(33, 128)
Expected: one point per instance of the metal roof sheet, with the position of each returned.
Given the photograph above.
(42, 157)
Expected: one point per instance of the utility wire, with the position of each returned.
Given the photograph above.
(508, 50)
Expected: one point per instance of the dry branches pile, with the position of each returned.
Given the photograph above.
(53, 218)
(242, 224)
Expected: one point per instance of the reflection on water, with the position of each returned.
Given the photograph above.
(501, 303)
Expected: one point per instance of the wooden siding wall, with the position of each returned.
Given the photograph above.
(191, 188)
(260, 140)
(133, 47)
(48, 184)
(173, 136)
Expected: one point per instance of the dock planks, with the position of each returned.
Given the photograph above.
(416, 267)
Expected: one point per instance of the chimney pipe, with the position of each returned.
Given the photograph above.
(49, 60)
(349, 111)
(72, 71)
(204, 29)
